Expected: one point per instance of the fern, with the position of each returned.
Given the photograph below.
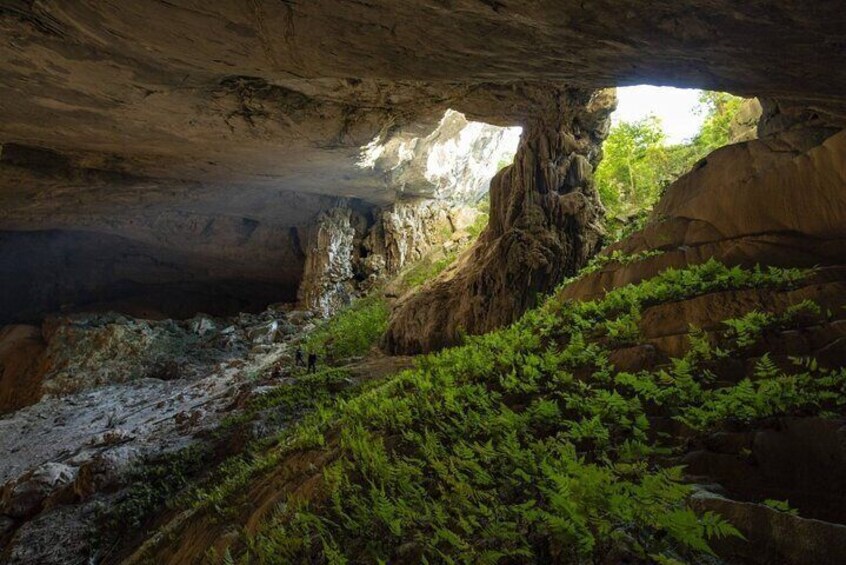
(525, 444)
(781, 506)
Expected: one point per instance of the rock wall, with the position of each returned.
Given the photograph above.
(544, 225)
(351, 250)
(455, 161)
(327, 283)
(21, 347)
(44, 272)
(716, 211)
(405, 231)
(115, 118)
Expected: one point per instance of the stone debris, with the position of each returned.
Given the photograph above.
(77, 444)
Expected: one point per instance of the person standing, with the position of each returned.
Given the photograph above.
(298, 357)
(312, 362)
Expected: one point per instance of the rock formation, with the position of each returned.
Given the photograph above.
(717, 210)
(171, 158)
(544, 225)
(454, 163)
(351, 251)
(327, 279)
(103, 394)
(193, 141)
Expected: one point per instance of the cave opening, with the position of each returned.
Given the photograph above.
(658, 134)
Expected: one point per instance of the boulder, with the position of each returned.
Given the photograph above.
(772, 536)
(26, 496)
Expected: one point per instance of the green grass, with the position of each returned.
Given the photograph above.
(352, 332)
(481, 221)
(525, 444)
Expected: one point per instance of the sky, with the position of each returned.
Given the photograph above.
(674, 106)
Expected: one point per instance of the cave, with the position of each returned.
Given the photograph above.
(236, 238)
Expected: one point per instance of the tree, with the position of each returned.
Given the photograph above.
(638, 164)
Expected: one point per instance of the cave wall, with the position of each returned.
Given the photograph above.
(352, 250)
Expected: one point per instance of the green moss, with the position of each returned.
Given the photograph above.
(291, 399)
(154, 485)
(426, 270)
(617, 257)
(478, 225)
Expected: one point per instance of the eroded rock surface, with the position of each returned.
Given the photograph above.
(544, 225)
(108, 395)
(350, 252)
(773, 201)
(328, 277)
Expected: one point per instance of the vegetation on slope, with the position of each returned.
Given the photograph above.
(638, 164)
(353, 331)
(527, 444)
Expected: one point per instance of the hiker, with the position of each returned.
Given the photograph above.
(298, 359)
(312, 362)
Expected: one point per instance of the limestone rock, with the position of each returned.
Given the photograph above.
(25, 496)
(453, 163)
(167, 157)
(744, 124)
(326, 284)
(349, 253)
(717, 211)
(409, 229)
(202, 325)
(773, 536)
(544, 224)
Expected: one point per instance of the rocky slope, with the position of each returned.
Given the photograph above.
(93, 400)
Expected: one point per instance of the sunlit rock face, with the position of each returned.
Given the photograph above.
(455, 162)
(350, 247)
(150, 259)
(327, 279)
(351, 251)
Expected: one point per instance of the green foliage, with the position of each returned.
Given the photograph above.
(526, 444)
(495, 451)
(352, 332)
(719, 109)
(481, 221)
(781, 506)
(638, 164)
(153, 485)
(290, 399)
(598, 262)
(634, 166)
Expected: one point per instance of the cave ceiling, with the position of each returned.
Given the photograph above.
(228, 102)
(192, 138)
